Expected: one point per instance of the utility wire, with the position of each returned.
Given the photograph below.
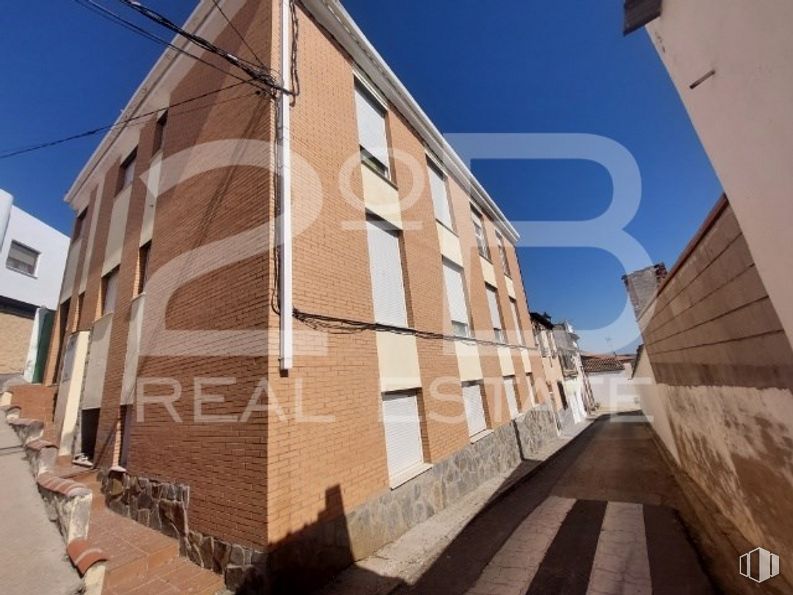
(259, 73)
(237, 31)
(14, 152)
(113, 17)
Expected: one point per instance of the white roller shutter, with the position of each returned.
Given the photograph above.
(509, 392)
(495, 317)
(514, 308)
(111, 289)
(474, 410)
(385, 265)
(439, 197)
(455, 293)
(402, 432)
(371, 125)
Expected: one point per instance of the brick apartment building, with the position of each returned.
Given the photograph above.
(288, 447)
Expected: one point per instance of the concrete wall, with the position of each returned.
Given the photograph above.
(723, 371)
(42, 288)
(742, 116)
(615, 391)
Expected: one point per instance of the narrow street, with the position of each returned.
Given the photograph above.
(597, 518)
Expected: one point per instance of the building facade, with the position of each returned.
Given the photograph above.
(642, 285)
(611, 381)
(715, 378)
(285, 447)
(32, 259)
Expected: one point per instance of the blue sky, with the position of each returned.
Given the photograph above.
(506, 66)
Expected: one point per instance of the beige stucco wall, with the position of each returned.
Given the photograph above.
(742, 114)
(14, 341)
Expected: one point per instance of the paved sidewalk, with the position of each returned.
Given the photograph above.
(31, 548)
(405, 560)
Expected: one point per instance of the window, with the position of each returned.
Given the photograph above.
(532, 388)
(109, 291)
(502, 251)
(513, 305)
(78, 224)
(455, 298)
(22, 259)
(385, 265)
(78, 312)
(159, 132)
(127, 171)
(143, 266)
(404, 451)
(440, 198)
(479, 231)
(495, 313)
(509, 393)
(372, 135)
(474, 409)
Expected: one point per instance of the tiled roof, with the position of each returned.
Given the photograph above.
(594, 365)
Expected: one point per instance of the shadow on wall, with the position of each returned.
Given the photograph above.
(307, 559)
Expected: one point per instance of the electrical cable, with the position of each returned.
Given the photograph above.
(120, 123)
(113, 17)
(259, 73)
(237, 31)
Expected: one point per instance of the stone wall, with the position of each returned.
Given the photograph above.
(311, 556)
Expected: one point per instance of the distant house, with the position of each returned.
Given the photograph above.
(610, 377)
(32, 259)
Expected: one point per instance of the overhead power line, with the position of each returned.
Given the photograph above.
(113, 17)
(120, 123)
(237, 31)
(261, 74)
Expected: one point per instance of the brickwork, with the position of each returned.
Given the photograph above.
(276, 480)
(712, 322)
(14, 341)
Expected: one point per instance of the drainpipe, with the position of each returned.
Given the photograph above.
(284, 148)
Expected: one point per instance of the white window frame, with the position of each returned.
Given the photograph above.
(376, 158)
(461, 321)
(109, 289)
(389, 299)
(127, 175)
(479, 232)
(474, 407)
(513, 305)
(495, 313)
(24, 248)
(440, 199)
(402, 434)
(502, 250)
(511, 396)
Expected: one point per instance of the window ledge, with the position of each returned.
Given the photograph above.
(25, 273)
(379, 175)
(408, 474)
(480, 435)
(447, 227)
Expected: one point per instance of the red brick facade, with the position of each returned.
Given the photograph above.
(259, 482)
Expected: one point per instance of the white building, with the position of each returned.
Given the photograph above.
(612, 382)
(32, 259)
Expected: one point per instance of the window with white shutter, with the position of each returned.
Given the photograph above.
(474, 409)
(385, 265)
(109, 291)
(440, 198)
(509, 393)
(532, 388)
(402, 432)
(495, 313)
(455, 297)
(370, 114)
(502, 252)
(22, 259)
(513, 305)
(479, 232)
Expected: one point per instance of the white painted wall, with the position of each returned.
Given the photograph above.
(742, 114)
(615, 391)
(43, 288)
